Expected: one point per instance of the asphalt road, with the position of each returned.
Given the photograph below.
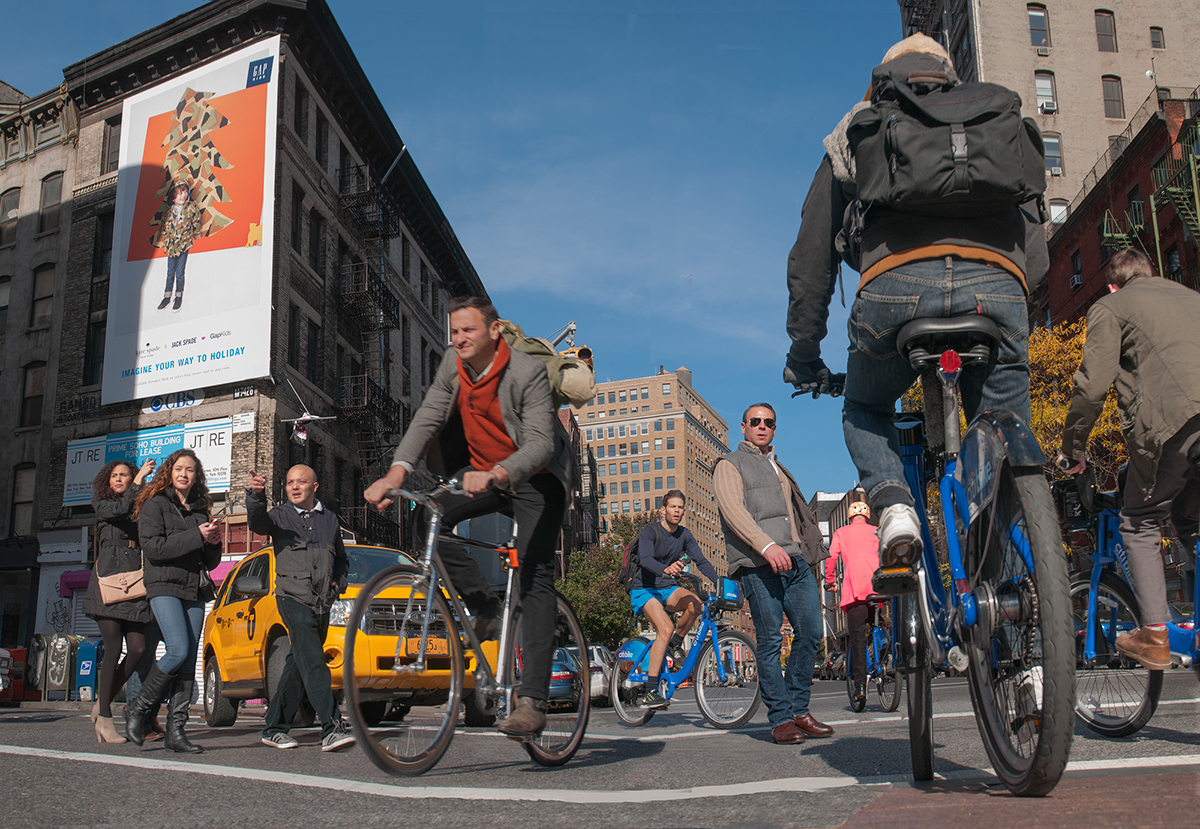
(676, 771)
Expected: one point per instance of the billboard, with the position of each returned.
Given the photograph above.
(212, 441)
(189, 301)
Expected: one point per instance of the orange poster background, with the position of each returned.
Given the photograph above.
(243, 144)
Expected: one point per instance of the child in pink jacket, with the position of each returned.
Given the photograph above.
(858, 547)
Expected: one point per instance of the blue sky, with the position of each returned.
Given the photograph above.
(637, 167)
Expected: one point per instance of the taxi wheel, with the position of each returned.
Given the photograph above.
(219, 711)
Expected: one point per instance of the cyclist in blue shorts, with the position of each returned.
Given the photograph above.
(662, 547)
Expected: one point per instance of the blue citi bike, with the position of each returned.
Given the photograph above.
(881, 656)
(1003, 615)
(720, 661)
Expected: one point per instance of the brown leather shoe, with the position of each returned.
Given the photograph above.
(813, 727)
(1149, 647)
(787, 734)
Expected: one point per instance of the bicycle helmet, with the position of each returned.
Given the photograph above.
(859, 508)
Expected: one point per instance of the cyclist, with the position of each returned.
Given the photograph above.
(662, 550)
(912, 266)
(1143, 336)
(490, 407)
(858, 547)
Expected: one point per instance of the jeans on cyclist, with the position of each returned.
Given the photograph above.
(771, 596)
(538, 507)
(877, 375)
(860, 618)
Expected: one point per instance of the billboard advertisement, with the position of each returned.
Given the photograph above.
(212, 441)
(189, 302)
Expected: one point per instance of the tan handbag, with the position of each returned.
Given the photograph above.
(121, 587)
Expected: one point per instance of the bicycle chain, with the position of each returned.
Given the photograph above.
(1026, 583)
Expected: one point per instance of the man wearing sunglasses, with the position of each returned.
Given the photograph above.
(772, 543)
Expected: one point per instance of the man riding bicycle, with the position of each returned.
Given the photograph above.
(662, 548)
(1143, 336)
(912, 266)
(490, 410)
(858, 548)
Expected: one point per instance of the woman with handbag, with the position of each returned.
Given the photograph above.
(116, 597)
(180, 545)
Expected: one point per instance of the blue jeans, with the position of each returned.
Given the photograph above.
(181, 623)
(771, 596)
(304, 670)
(876, 374)
(175, 266)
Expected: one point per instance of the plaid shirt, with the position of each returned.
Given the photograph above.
(176, 236)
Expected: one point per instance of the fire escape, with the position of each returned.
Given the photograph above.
(918, 15)
(1176, 182)
(1126, 231)
(368, 302)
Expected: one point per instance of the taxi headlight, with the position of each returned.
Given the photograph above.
(339, 612)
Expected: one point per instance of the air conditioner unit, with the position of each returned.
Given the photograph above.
(1056, 171)
(1043, 51)
(1076, 280)
(1048, 107)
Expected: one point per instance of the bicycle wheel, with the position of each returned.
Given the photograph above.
(732, 702)
(1020, 655)
(918, 665)
(624, 696)
(856, 705)
(890, 680)
(570, 687)
(431, 696)
(1114, 695)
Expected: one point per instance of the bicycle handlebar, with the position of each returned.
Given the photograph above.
(428, 497)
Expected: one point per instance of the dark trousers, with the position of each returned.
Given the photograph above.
(304, 671)
(860, 617)
(538, 507)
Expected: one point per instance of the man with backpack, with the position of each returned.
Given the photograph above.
(492, 415)
(662, 550)
(931, 190)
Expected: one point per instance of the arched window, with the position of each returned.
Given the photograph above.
(51, 200)
(1114, 98)
(1039, 25)
(1106, 31)
(10, 211)
(42, 306)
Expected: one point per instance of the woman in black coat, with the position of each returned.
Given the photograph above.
(117, 551)
(180, 545)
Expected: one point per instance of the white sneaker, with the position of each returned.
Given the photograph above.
(281, 740)
(340, 737)
(899, 537)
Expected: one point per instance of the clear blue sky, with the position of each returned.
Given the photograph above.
(637, 167)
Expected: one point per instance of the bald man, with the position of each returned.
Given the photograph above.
(310, 573)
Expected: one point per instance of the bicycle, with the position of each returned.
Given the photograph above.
(721, 661)
(881, 657)
(1007, 624)
(432, 628)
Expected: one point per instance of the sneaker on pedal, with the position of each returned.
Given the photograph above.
(677, 654)
(340, 737)
(860, 693)
(899, 551)
(654, 700)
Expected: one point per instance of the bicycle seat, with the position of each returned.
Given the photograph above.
(878, 598)
(973, 336)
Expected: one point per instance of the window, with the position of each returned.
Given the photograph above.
(1105, 251)
(645, 393)
(301, 122)
(51, 199)
(670, 462)
(658, 483)
(297, 216)
(658, 444)
(624, 469)
(633, 448)
(1106, 31)
(658, 501)
(293, 348)
(43, 296)
(322, 139)
(1053, 151)
(621, 431)
(670, 482)
(612, 397)
(658, 464)
(599, 399)
(1172, 263)
(625, 506)
(612, 470)
(10, 204)
(658, 425)
(670, 443)
(645, 428)
(316, 237)
(5, 295)
(588, 434)
(1116, 146)
(33, 391)
(111, 157)
(645, 446)
(601, 469)
(313, 351)
(1043, 84)
(604, 509)
(1156, 38)
(670, 428)
(1076, 265)
(102, 264)
(1059, 210)
(624, 487)
(637, 486)
(20, 517)
(1114, 100)
(1039, 26)
(93, 355)
(666, 388)
(667, 405)
(621, 396)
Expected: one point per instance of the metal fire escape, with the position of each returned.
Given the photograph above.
(1176, 180)
(1126, 231)
(918, 15)
(368, 302)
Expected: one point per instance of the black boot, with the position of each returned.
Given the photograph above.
(177, 715)
(135, 712)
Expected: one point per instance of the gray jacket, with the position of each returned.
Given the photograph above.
(529, 414)
(1145, 338)
(310, 557)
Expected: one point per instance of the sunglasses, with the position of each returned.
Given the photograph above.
(770, 421)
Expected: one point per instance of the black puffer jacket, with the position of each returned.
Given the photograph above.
(174, 549)
(118, 552)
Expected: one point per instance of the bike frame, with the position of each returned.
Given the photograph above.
(641, 671)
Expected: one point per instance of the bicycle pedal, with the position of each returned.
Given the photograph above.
(894, 581)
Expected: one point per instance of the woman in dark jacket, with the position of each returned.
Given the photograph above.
(180, 545)
(117, 551)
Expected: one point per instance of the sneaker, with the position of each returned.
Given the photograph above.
(1149, 647)
(280, 740)
(654, 699)
(178, 302)
(526, 721)
(677, 654)
(860, 693)
(165, 302)
(899, 551)
(340, 737)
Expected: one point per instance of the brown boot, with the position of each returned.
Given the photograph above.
(1148, 647)
(787, 734)
(526, 721)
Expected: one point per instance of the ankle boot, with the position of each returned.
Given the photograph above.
(105, 733)
(135, 712)
(177, 715)
(95, 711)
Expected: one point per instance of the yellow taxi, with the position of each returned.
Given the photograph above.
(246, 643)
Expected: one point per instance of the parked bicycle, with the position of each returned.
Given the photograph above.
(882, 652)
(721, 662)
(429, 676)
(1007, 622)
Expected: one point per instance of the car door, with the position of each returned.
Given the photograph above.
(236, 630)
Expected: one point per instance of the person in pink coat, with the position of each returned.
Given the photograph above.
(858, 547)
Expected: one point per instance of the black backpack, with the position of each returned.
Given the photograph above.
(931, 147)
(631, 565)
